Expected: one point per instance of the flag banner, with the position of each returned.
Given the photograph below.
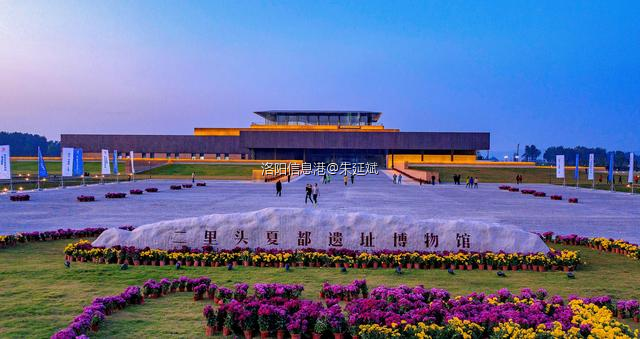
(560, 166)
(610, 176)
(105, 162)
(5, 162)
(133, 169)
(576, 174)
(590, 171)
(115, 162)
(630, 179)
(42, 168)
(78, 162)
(67, 162)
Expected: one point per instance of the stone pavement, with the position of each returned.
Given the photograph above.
(598, 213)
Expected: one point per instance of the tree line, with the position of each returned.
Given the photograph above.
(600, 156)
(25, 144)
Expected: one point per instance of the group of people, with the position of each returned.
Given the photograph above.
(397, 178)
(456, 179)
(311, 192)
(346, 179)
(326, 178)
(472, 182)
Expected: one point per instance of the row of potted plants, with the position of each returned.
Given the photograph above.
(535, 193)
(20, 197)
(555, 260)
(386, 312)
(86, 198)
(24, 237)
(115, 195)
(354, 290)
(94, 315)
(425, 313)
(617, 246)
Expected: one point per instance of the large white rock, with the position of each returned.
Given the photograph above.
(358, 231)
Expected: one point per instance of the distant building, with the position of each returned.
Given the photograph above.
(310, 136)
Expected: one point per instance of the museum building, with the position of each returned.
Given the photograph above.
(305, 135)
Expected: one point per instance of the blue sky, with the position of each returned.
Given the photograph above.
(541, 72)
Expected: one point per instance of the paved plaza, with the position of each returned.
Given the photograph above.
(599, 213)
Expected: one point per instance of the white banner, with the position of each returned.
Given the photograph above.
(630, 179)
(67, 162)
(560, 166)
(5, 162)
(133, 169)
(590, 171)
(106, 168)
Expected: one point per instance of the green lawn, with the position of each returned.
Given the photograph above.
(29, 169)
(55, 167)
(204, 170)
(530, 175)
(39, 296)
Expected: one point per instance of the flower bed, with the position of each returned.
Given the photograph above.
(93, 315)
(528, 191)
(554, 260)
(20, 197)
(24, 237)
(504, 187)
(355, 290)
(175, 187)
(112, 195)
(187, 185)
(514, 189)
(86, 198)
(151, 190)
(573, 200)
(539, 194)
(619, 246)
(556, 197)
(135, 192)
(387, 312)
(201, 184)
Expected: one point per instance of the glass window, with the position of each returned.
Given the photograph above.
(324, 120)
(354, 119)
(293, 120)
(312, 120)
(282, 120)
(333, 120)
(344, 120)
(363, 120)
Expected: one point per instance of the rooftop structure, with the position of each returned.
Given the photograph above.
(319, 117)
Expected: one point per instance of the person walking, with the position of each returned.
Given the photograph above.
(475, 182)
(399, 178)
(353, 177)
(307, 196)
(278, 189)
(395, 177)
(315, 190)
(193, 177)
(433, 180)
(470, 182)
(467, 185)
(346, 180)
